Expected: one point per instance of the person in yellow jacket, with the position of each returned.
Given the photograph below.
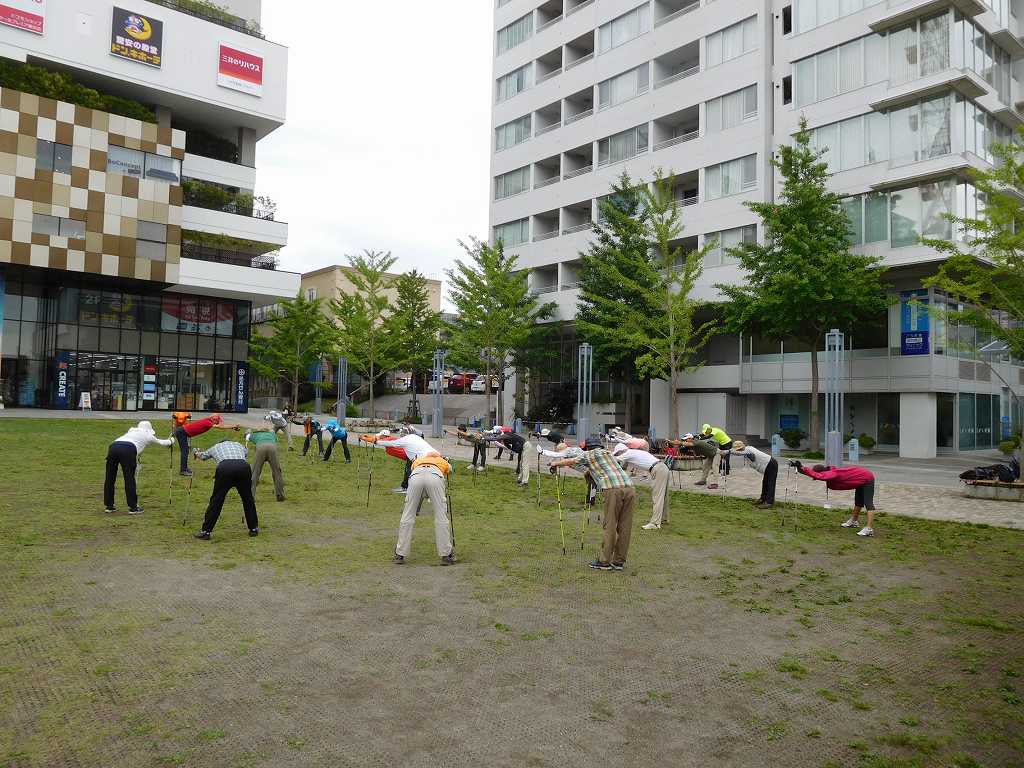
(724, 444)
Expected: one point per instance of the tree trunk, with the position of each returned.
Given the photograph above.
(487, 391)
(415, 385)
(815, 430)
(295, 391)
(673, 405)
(373, 415)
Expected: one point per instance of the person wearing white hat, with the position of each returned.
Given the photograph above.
(763, 464)
(124, 453)
(516, 444)
(659, 474)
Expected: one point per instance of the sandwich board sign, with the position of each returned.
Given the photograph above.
(85, 401)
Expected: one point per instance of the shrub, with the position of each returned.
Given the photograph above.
(814, 455)
(201, 142)
(792, 437)
(1008, 447)
(59, 86)
(865, 441)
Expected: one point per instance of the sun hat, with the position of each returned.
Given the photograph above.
(738, 445)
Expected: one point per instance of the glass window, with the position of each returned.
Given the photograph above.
(904, 129)
(945, 407)
(205, 346)
(163, 168)
(519, 31)
(110, 309)
(225, 318)
(935, 128)
(876, 61)
(62, 158)
(169, 344)
(186, 383)
(128, 162)
(876, 217)
(110, 340)
(623, 87)
(45, 225)
(150, 343)
(626, 27)
(67, 304)
(189, 316)
(151, 230)
(903, 54)
(223, 349)
(512, 183)
(967, 423)
(713, 182)
(935, 44)
(72, 228)
(170, 312)
(806, 15)
(149, 313)
(827, 141)
(905, 216)
(144, 249)
(11, 334)
(828, 74)
(851, 143)
(207, 317)
(805, 86)
(852, 208)
(936, 204)
(89, 307)
(242, 324)
(877, 137)
(67, 336)
(851, 66)
(514, 82)
(187, 346)
(889, 418)
(44, 155)
(512, 133)
(828, 11)
(129, 311)
(88, 337)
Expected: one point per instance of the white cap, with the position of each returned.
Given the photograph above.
(146, 426)
(545, 432)
(384, 433)
(688, 436)
(496, 430)
(619, 448)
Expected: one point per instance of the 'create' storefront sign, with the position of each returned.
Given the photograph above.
(914, 322)
(24, 14)
(61, 371)
(137, 37)
(240, 70)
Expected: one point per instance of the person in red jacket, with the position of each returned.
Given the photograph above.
(856, 479)
(185, 432)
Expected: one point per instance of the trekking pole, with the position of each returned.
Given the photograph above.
(539, 481)
(451, 512)
(170, 475)
(586, 515)
(561, 512)
(369, 480)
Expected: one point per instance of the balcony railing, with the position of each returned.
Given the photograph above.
(549, 75)
(223, 256)
(547, 129)
(213, 198)
(579, 7)
(610, 161)
(577, 228)
(222, 19)
(547, 24)
(578, 172)
(545, 235)
(676, 14)
(688, 72)
(579, 116)
(686, 200)
(545, 182)
(690, 136)
(580, 60)
(537, 290)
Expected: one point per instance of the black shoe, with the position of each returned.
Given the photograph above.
(186, 473)
(398, 559)
(110, 510)
(254, 531)
(448, 559)
(203, 535)
(348, 461)
(598, 565)
(618, 566)
(280, 498)
(136, 511)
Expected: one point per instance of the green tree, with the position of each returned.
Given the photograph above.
(299, 334)
(414, 327)
(361, 333)
(803, 280)
(614, 271)
(985, 269)
(498, 317)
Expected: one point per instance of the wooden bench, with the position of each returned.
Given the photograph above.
(995, 490)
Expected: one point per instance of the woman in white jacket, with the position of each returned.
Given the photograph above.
(763, 464)
(124, 453)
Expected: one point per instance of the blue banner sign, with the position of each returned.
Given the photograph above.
(242, 387)
(61, 384)
(915, 323)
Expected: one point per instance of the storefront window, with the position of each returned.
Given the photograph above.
(944, 420)
(983, 421)
(89, 307)
(170, 312)
(967, 423)
(186, 400)
(889, 419)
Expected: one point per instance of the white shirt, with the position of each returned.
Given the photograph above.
(569, 453)
(277, 419)
(639, 459)
(415, 447)
(140, 438)
(757, 459)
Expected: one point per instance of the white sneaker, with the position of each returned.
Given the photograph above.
(480, 469)
(652, 527)
(851, 523)
(865, 531)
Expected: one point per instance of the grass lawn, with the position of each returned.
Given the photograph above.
(728, 640)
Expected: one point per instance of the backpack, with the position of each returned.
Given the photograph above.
(999, 472)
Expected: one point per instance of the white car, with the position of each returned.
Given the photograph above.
(477, 384)
(432, 385)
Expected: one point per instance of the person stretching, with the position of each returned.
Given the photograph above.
(233, 471)
(184, 434)
(718, 435)
(619, 503)
(280, 423)
(555, 438)
(708, 451)
(763, 464)
(311, 427)
(659, 474)
(427, 478)
(264, 441)
(338, 435)
(124, 453)
(861, 481)
(479, 445)
(516, 444)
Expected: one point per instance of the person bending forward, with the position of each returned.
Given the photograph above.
(233, 471)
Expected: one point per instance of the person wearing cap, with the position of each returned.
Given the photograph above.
(764, 465)
(708, 451)
(184, 434)
(618, 436)
(718, 435)
(233, 471)
(124, 453)
(849, 478)
(338, 434)
(555, 438)
(264, 442)
(428, 478)
(279, 421)
(312, 428)
(516, 444)
(407, 429)
(619, 503)
(659, 475)
(500, 430)
(479, 446)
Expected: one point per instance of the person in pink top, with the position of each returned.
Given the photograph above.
(850, 478)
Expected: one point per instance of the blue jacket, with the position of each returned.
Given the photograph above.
(337, 431)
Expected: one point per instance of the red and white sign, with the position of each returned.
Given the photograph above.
(240, 70)
(24, 14)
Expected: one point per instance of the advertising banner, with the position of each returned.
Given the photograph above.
(24, 14)
(914, 323)
(192, 315)
(242, 387)
(137, 37)
(240, 70)
(60, 384)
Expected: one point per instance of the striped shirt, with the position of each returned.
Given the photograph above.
(225, 451)
(604, 470)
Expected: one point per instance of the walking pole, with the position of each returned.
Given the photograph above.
(451, 512)
(561, 513)
(586, 514)
(539, 480)
(369, 481)
(170, 475)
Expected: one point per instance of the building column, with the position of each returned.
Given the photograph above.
(163, 116)
(3, 291)
(247, 147)
(918, 415)
(659, 416)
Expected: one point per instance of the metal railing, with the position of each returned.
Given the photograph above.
(690, 136)
(223, 256)
(579, 61)
(553, 288)
(545, 182)
(687, 200)
(579, 116)
(545, 235)
(579, 7)
(688, 72)
(549, 75)
(546, 129)
(235, 22)
(577, 228)
(676, 14)
(609, 161)
(547, 24)
(578, 172)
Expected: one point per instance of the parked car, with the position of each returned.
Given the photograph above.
(460, 382)
(432, 385)
(478, 384)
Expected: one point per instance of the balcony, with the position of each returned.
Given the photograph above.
(214, 15)
(227, 256)
(577, 5)
(963, 81)
(547, 171)
(577, 217)
(685, 189)
(669, 10)
(676, 128)
(677, 65)
(548, 14)
(548, 66)
(548, 118)
(215, 197)
(902, 11)
(579, 50)
(579, 105)
(544, 280)
(578, 161)
(220, 172)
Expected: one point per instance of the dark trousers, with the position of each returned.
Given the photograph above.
(771, 474)
(405, 476)
(182, 438)
(724, 466)
(231, 473)
(344, 447)
(519, 462)
(121, 455)
(862, 497)
(319, 441)
(480, 452)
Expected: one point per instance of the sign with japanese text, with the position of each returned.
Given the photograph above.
(914, 323)
(240, 70)
(137, 37)
(28, 15)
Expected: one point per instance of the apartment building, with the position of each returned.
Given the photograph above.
(132, 248)
(907, 96)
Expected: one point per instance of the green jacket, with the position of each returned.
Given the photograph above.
(257, 438)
